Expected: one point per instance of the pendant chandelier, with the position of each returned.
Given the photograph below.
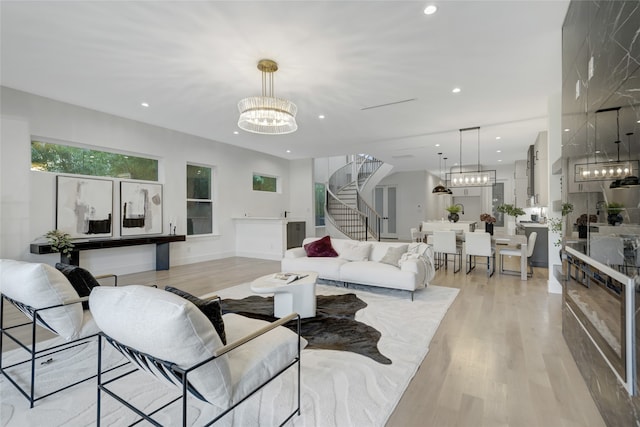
(618, 170)
(440, 189)
(475, 178)
(267, 114)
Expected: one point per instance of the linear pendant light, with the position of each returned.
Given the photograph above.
(476, 178)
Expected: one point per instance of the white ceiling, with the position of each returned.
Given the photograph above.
(192, 61)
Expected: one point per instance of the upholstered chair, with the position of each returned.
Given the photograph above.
(479, 245)
(531, 243)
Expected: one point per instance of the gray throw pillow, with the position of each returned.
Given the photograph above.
(393, 255)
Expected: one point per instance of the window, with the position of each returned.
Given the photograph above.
(199, 200)
(320, 194)
(51, 157)
(265, 183)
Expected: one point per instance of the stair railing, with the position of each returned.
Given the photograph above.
(366, 167)
(373, 219)
(348, 220)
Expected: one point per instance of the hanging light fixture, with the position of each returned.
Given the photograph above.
(605, 171)
(630, 180)
(475, 178)
(440, 189)
(267, 114)
(445, 168)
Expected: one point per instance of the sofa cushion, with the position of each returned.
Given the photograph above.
(320, 248)
(40, 286)
(393, 255)
(210, 308)
(355, 251)
(378, 274)
(167, 327)
(81, 280)
(327, 268)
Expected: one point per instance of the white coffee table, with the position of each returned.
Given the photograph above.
(298, 296)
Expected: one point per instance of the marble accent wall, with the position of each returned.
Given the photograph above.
(601, 70)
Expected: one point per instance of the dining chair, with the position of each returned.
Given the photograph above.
(479, 245)
(531, 243)
(444, 244)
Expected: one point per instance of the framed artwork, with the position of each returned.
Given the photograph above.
(84, 206)
(140, 208)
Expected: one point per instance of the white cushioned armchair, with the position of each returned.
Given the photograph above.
(169, 337)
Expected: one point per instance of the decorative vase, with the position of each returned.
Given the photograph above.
(453, 217)
(488, 228)
(582, 231)
(614, 219)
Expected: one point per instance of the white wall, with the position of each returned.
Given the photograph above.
(28, 198)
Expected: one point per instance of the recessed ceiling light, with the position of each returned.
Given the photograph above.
(498, 151)
(235, 132)
(638, 121)
(597, 151)
(321, 116)
(499, 160)
(437, 145)
(567, 130)
(430, 10)
(144, 104)
(456, 90)
(288, 151)
(498, 137)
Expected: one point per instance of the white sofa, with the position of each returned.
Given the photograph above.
(359, 262)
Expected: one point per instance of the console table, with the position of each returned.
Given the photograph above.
(161, 242)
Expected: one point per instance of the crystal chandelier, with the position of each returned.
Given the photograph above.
(476, 178)
(267, 114)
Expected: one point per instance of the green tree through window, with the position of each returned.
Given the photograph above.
(50, 157)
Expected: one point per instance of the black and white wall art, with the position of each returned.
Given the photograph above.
(84, 206)
(140, 208)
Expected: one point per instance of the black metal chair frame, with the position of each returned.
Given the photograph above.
(472, 265)
(144, 361)
(35, 355)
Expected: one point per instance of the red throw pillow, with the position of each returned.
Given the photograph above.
(320, 248)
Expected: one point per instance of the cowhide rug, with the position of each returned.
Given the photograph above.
(333, 328)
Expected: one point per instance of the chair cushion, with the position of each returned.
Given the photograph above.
(210, 308)
(320, 248)
(40, 286)
(167, 327)
(81, 280)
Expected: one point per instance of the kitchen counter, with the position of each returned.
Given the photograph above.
(446, 225)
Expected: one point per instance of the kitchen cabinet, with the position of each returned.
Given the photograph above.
(520, 183)
(541, 170)
(466, 191)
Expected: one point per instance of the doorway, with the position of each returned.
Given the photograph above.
(385, 203)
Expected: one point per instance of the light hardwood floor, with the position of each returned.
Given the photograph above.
(497, 359)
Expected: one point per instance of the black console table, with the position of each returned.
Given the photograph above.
(161, 242)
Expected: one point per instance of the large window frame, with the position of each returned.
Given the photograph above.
(200, 200)
(61, 157)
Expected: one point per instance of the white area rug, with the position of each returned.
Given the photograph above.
(338, 388)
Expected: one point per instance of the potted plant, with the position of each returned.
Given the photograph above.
(59, 241)
(613, 213)
(583, 224)
(488, 222)
(510, 210)
(453, 212)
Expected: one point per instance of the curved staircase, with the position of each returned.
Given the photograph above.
(346, 210)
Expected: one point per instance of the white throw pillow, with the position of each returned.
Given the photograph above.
(355, 251)
(40, 286)
(167, 327)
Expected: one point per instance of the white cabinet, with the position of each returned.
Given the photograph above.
(466, 191)
(541, 170)
(520, 183)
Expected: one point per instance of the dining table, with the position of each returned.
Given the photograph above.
(499, 240)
